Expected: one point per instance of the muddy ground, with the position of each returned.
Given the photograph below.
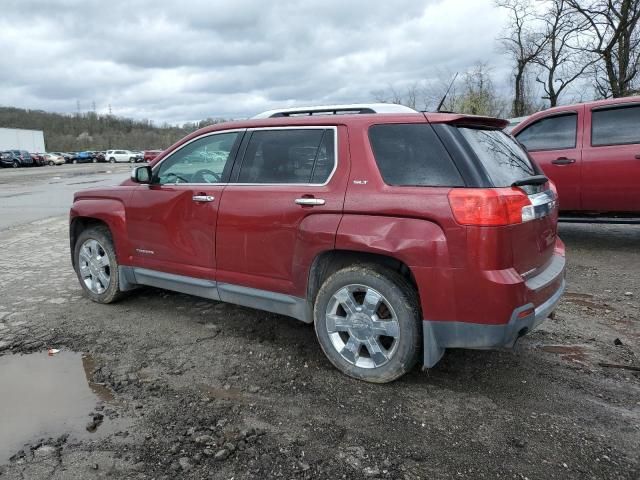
(199, 389)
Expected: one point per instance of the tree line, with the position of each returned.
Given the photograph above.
(560, 51)
(90, 131)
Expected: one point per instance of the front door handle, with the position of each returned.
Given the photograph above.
(310, 202)
(563, 161)
(203, 198)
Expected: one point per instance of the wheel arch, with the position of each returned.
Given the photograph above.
(110, 213)
(329, 262)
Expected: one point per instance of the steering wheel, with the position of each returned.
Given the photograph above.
(175, 178)
(204, 176)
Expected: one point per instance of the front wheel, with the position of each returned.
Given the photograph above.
(74, 162)
(51, 163)
(15, 164)
(96, 265)
(112, 160)
(368, 324)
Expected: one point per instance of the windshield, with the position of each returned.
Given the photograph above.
(503, 158)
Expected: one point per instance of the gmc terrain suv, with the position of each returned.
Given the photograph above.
(397, 234)
(591, 151)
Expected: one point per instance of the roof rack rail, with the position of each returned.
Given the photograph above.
(355, 108)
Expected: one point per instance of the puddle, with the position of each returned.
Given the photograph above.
(46, 396)
(573, 353)
(84, 183)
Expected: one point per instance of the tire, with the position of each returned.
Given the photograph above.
(340, 336)
(74, 161)
(15, 164)
(132, 160)
(51, 163)
(112, 160)
(95, 160)
(99, 246)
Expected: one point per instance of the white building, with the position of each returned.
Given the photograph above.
(21, 139)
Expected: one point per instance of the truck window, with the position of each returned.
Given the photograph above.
(551, 133)
(615, 126)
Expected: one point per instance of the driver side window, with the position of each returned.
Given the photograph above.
(201, 161)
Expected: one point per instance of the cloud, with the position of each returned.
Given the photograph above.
(180, 61)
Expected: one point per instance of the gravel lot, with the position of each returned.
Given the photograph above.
(197, 389)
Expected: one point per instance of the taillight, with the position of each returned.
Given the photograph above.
(490, 206)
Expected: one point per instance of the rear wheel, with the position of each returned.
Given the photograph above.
(74, 161)
(51, 163)
(96, 265)
(367, 322)
(112, 160)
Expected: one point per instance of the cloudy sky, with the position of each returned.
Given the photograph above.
(178, 61)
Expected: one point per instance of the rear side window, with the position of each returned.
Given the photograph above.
(412, 155)
(504, 160)
(552, 133)
(305, 156)
(615, 126)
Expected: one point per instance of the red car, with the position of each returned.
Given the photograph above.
(397, 235)
(591, 151)
(149, 155)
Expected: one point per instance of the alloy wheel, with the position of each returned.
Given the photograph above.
(362, 326)
(94, 265)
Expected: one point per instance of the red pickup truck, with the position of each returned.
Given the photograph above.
(591, 151)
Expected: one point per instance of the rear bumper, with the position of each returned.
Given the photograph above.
(439, 335)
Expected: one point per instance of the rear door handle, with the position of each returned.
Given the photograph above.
(203, 198)
(311, 202)
(563, 161)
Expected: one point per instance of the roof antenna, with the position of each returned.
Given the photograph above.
(446, 93)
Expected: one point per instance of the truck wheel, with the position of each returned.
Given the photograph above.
(96, 265)
(368, 324)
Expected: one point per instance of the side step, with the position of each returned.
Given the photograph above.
(609, 220)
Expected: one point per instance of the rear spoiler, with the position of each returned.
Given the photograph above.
(461, 120)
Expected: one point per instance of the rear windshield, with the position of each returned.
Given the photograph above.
(502, 157)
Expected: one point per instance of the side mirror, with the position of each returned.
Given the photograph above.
(141, 174)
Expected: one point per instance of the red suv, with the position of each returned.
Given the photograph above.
(591, 151)
(396, 234)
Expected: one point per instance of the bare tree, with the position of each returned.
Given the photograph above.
(614, 31)
(524, 44)
(477, 96)
(563, 60)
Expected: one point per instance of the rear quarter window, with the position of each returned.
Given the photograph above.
(412, 155)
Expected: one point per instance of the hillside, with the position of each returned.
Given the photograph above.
(90, 131)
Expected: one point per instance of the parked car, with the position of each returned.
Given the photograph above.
(149, 155)
(84, 157)
(591, 151)
(38, 159)
(66, 156)
(406, 234)
(114, 156)
(6, 160)
(17, 158)
(52, 159)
